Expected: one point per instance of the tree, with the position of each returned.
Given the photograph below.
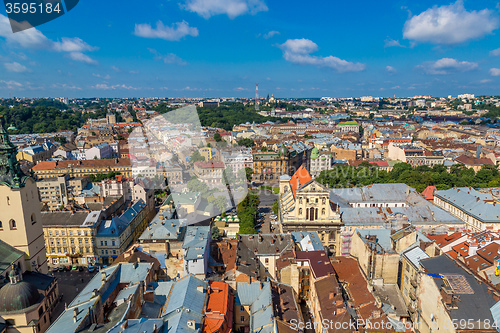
(221, 203)
(61, 139)
(249, 173)
(217, 137)
(276, 207)
(215, 233)
(196, 157)
(263, 149)
(246, 142)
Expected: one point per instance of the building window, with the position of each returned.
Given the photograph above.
(33, 219)
(113, 243)
(242, 318)
(1, 225)
(323, 211)
(300, 211)
(242, 308)
(12, 224)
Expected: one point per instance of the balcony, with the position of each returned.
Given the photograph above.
(413, 296)
(413, 282)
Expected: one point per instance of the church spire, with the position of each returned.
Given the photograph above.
(10, 169)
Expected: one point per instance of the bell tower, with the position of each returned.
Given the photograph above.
(20, 216)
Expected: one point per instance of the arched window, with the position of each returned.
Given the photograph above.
(12, 224)
(316, 210)
(324, 201)
(300, 200)
(307, 213)
(300, 211)
(323, 211)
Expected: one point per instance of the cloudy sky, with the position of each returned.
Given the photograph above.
(218, 48)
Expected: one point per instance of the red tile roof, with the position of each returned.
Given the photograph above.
(462, 249)
(467, 160)
(444, 239)
(299, 178)
(219, 310)
(348, 270)
(428, 193)
(318, 261)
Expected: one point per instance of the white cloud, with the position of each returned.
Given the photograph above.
(390, 69)
(495, 72)
(447, 66)
(116, 69)
(240, 89)
(72, 45)
(173, 33)
(495, 52)
(231, 8)
(81, 57)
(485, 81)
(34, 39)
(168, 58)
(15, 67)
(65, 86)
(392, 43)
(30, 39)
(298, 51)
(271, 34)
(11, 84)
(104, 77)
(449, 25)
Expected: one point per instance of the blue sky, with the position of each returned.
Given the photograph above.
(219, 48)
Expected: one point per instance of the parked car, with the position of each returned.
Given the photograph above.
(60, 269)
(80, 268)
(75, 267)
(67, 268)
(91, 268)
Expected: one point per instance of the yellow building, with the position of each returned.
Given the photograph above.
(69, 237)
(49, 169)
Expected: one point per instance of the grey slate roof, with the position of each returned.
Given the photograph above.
(474, 306)
(472, 202)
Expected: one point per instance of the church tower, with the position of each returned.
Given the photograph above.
(20, 216)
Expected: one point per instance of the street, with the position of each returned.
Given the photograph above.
(70, 284)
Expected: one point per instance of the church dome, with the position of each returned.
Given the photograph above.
(314, 153)
(17, 295)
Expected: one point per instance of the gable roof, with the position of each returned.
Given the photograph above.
(299, 179)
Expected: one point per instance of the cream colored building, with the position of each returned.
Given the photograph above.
(305, 206)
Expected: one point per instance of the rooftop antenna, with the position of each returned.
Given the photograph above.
(257, 97)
